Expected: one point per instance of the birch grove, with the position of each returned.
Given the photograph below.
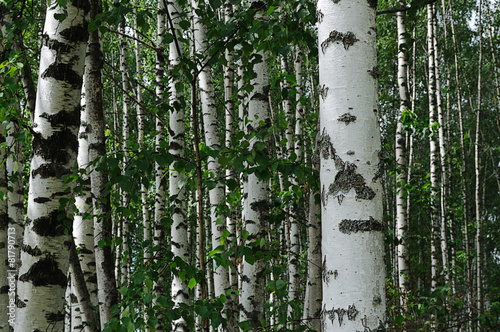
(231, 165)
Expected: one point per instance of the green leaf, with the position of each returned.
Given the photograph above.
(192, 283)
(399, 320)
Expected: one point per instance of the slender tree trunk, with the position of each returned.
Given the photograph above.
(257, 202)
(465, 201)
(45, 250)
(124, 254)
(83, 228)
(401, 160)
(212, 140)
(180, 248)
(107, 293)
(160, 174)
(434, 199)
(477, 170)
(350, 169)
(231, 219)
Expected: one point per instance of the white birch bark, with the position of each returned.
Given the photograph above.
(45, 250)
(256, 209)
(442, 157)
(401, 159)
(160, 174)
(351, 190)
(140, 140)
(477, 171)
(212, 140)
(124, 254)
(465, 200)
(179, 236)
(433, 122)
(231, 219)
(107, 293)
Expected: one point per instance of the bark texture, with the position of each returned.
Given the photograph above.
(45, 249)
(350, 169)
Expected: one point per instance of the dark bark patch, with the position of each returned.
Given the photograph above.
(323, 91)
(51, 225)
(319, 16)
(32, 251)
(347, 118)
(64, 119)
(50, 170)
(54, 317)
(45, 272)
(63, 72)
(55, 45)
(57, 148)
(76, 33)
(340, 315)
(260, 97)
(348, 226)
(82, 4)
(346, 179)
(373, 3)
(347, 39)
(41, 200)
(374, 73)
(352, 312)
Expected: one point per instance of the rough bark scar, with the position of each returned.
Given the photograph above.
(348, 39)
(347, 118)
(63, 72)
(348, 226)
(351, 312)
(374, 72)
(45, 272)
(320, 15)
(323, 91)
(346, 179)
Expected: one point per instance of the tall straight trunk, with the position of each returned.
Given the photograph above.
(495, 67)
(146, 223)
(107, 294)
(401, 159)
(433, 147)
(293, 227)
(212, 140)
(83, 228)
(231, 220)
(180, 248)
(350, 168)
(125, 195)
(477, 171)
(45, 250)
(255, 222)
(442, 157)
(465, 201)
(160, 174)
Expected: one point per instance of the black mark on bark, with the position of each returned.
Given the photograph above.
(348, 226)
(45, 272)
(347, 118)
(51, 225)
(76, 33)
(374, 73)
(352, 312)
(323, 91)
(346, 179)
(347, 39)
(63, 72)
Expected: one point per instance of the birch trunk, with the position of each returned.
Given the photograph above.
(124, 254)
(160, 175)
(351, 192)
(433, 151)
(212, 140)
(477, 171)
(231, 220)
(107, 294)
(83, 228)
(253, 280)
(180, 291)
(45, 250)
(401, 159)
(465, 201)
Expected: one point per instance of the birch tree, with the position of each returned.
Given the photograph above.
(256, 208)
(45, 250)
(351, 193)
